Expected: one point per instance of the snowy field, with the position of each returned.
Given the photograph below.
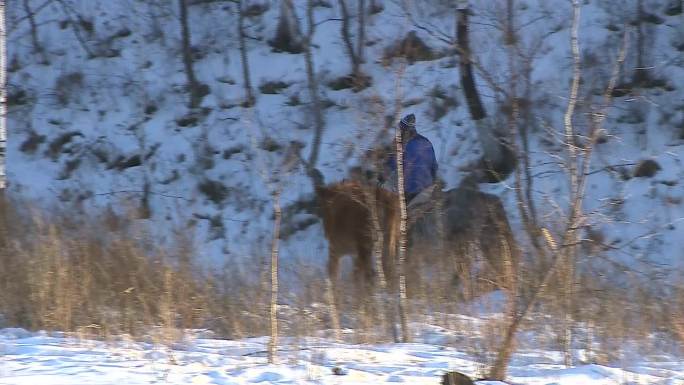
(38, 358)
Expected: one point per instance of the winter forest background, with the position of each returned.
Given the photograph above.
(153, 145)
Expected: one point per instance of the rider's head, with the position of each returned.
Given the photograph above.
(408, 125)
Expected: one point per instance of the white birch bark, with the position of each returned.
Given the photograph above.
(3, 92)
(401, 257)
(273, 342)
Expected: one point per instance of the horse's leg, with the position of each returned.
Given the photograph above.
(363, 269)
(388, 260)
(333, 288)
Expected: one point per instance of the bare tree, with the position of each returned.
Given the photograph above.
(3, 93)
(641, 73)
(361, 34)
(274, 174)
(249, 95)
(196, 92)
(273, 308)
(563, 253)
(403, 217)
(498, 161)
(70, 13)
(37, 47)
(354, 51)
(314, 93)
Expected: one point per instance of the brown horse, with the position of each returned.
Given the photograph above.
(347, 209)
(464, 230)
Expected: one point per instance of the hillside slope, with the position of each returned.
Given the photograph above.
(101, 115)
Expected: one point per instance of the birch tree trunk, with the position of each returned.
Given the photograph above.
(378, 237)
(403, 218)
(401, 260)
(273, 342)
(3, 93)
(319, 123)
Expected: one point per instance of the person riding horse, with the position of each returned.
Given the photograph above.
(419, 162)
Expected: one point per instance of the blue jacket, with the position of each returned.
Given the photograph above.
(420, 164)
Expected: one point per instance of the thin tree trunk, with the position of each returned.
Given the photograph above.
(319, 123)
(37, 47)
(67, 10)
(509, 37)
(640, 72)
(244, 58)
(273, 342)
(525, 155)
(524, 201)
(403, 219)
(361, 36)
(3, 93)
(575, 193)
(378, 237)
(401, 260)
(477, 111)
(346, 37)
(193, 87)
(497, 160)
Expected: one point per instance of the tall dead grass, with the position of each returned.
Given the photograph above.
(104, 275)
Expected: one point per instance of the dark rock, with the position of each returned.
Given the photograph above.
(229, 152)
(674, 8)
(123, 32)
(69, 167)
(31, 144)
(646, 168)
(338, 371)
(150, 109)
(456, 378)
(216, 191)
(187, 121)
(203, 90)
(17, 97)
(121, 163)
(413, 48)
(254, 10)
(652, 18)
(271, 145)
(273, 87)
(356, 83)
(287, 38)
(57, 145)
(87, 25)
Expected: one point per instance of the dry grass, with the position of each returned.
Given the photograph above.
(106, 277)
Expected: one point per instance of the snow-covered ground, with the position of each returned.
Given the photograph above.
(39, 358)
